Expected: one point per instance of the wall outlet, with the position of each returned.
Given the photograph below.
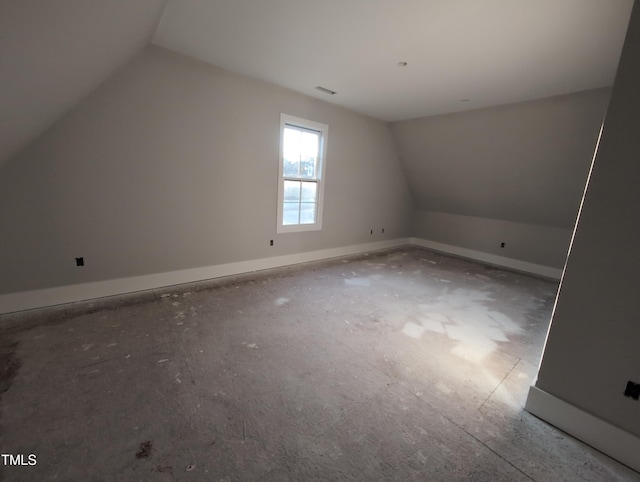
(382, 230)
(632, 390)
(372, 231)
(502, 245)
(79, 261)
(271, 243)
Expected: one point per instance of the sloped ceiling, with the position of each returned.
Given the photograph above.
(525, 162)
(54, 52)
(460, 54)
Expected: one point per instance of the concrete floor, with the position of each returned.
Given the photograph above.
(399, 365)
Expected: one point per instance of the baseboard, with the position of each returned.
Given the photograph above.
(28, 300)
(608, 439)
(514, 264)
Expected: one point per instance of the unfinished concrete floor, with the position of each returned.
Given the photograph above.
(399, 365)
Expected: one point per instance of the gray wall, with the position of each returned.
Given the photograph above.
(511, 173)
(55, 53)
(543, 245)
(172, 164)
(592, 347)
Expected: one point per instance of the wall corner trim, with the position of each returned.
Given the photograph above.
(603, 436)
(502, 261)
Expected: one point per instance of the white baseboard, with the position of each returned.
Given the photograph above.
(515, 264)
(608, 439)
(28, 300)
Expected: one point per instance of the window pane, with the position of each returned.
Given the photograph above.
(307, 213)
(292, 191)
(290, 213)
(309, 190)
(291, 167)
(309, 144)
(308, 167)
(300, 151)
(291, 142)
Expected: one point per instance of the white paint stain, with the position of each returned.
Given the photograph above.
(163, 360)
(176, 303)
(433, 325)
(282, 301)
(166, 295)
(413, 330)
(358, 281)
(464, 315)
(443, 388)
(86, 346)
(252, 345)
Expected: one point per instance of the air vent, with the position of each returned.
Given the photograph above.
(326, 91)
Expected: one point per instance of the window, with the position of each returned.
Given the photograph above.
(302, 161)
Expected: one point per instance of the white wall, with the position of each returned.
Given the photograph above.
(592, 346)
(541, 245)
(172, 164)
(54, 53)
(512, 173)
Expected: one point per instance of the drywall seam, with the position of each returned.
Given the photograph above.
(514, 264)
(601, 435)
(28, 300)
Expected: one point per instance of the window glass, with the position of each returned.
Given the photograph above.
(301, 168)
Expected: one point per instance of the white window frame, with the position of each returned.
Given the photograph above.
(323, 129)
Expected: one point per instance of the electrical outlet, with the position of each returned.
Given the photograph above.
(502, 244)
(79, 261)
(372, 231)
(382, 230)
(632, 390)
(271, 243)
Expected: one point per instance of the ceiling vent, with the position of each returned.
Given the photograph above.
(326, 91)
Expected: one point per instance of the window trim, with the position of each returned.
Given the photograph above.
(323, 129)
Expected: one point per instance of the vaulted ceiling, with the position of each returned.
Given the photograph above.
(53, 53)
(460, 54)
